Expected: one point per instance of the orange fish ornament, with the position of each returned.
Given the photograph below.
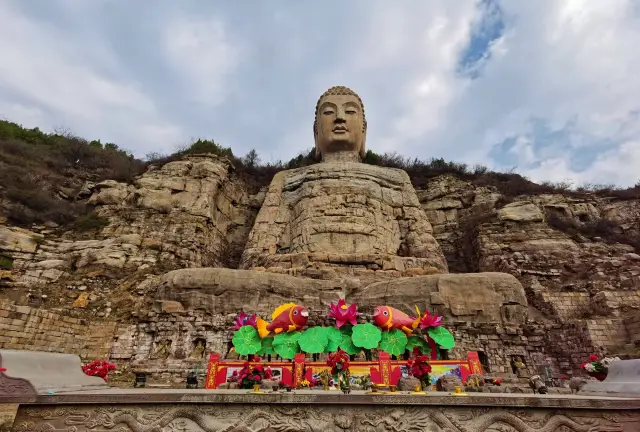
(388, 318)
(287, 317)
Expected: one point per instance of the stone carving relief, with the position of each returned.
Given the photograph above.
(163, 349)
(519, 367)
(198, 350)
(320, 418)
(12, 387)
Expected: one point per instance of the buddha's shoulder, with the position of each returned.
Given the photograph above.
(346, 169)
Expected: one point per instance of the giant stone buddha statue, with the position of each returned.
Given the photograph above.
(343, 228)
(341, 212)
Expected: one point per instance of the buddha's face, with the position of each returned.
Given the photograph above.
(340, 125)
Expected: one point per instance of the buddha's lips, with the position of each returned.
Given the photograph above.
(340, 129)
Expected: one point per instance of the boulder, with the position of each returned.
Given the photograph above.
(521, 212)
(448, 383)
(481, 297)
(475, 383)
(220, 290)
(408, 383)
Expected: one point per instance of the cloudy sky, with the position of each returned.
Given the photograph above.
(550, 88)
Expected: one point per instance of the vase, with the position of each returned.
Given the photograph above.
(600, 376)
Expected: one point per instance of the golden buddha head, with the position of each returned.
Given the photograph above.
(340, 124)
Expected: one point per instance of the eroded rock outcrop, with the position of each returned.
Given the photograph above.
(545, 279)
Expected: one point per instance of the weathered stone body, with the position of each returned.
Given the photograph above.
(343, 214)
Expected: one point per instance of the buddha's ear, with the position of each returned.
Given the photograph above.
(318, 154)
(363, 146)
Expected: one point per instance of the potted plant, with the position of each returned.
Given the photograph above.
(597, 368)
(339, 364)
(419, 368)
(251, 376)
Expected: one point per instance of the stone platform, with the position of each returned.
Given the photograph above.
(143, 410)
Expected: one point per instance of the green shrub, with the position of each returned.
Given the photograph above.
(6, 263)
(90, 221)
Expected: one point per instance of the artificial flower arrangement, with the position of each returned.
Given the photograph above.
(250, 376)
(391, 331)
(420, 368)
(339, 364)
(99, 368)
(598, 368)
(305, 383)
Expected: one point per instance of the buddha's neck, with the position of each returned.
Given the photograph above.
(341, 156)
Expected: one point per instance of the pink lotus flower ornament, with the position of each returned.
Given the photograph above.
(344, 313)
(245, 320)
(430, 321)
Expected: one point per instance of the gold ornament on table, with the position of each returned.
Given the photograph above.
(417, 390)
(256, 389)
(458, 392)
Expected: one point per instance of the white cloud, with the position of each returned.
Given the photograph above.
(200, 50)
(568, 65)
(44, 68)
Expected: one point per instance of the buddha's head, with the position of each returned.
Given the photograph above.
(340, 123)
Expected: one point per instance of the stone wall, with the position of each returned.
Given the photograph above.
(172, 343)
(24, 327)
(567, 305)
(632, 324)
(610, 334)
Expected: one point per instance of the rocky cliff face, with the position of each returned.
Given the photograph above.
(575, 255)
(188, 213)
(577, 258)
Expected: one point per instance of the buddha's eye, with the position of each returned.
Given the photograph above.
(328, 112)
(350, 112)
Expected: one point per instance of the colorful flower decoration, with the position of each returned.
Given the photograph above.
(98, 368)
(245, 320)
(419, 367)
(344, 313)
(430, 321)
(250, 375)
(338, 362)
